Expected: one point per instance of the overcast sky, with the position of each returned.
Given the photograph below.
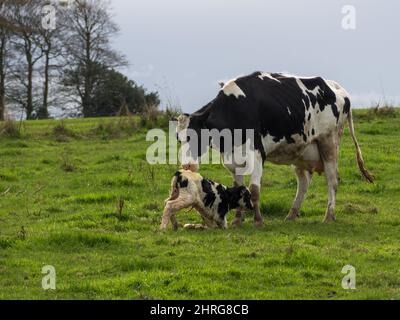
(182, 48)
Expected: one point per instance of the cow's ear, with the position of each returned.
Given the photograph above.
(221, 84)
(183, 117)
(175, 119)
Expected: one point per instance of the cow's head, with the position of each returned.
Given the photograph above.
(188, 132)
(183, 124)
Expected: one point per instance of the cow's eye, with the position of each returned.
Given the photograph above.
(188, 139)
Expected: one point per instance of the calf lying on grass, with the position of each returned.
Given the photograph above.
(212, 200)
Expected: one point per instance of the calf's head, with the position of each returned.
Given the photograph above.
(240, 197)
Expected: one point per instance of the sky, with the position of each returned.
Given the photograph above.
(182, 48)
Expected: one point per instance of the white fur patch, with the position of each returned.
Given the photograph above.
(231, 88)
(288, 110)
(269, 144)
(292, 75)
(267, 75)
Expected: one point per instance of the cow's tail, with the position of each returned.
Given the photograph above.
(360, 161)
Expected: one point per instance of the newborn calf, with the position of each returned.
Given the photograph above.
(212, 200)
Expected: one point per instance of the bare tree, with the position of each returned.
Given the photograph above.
(4, 53)
(88, 47)
(6, 20)
(3, 63)
(25, 42)
(50, 42)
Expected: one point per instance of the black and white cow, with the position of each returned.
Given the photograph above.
(297, 121)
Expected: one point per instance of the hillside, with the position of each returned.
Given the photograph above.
(61, 184)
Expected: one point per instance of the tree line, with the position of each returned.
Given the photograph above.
(58, 54)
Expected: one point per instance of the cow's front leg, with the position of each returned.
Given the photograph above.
(255, 187)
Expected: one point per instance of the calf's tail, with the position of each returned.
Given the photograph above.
(360, 161)
(174, 188)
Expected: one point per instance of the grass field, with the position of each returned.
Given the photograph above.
(60, 185)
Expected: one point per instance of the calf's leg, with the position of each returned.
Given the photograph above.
(172, 206)
(174, 222)
(208, 221)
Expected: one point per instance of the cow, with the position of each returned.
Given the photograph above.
(211, 199)
(297, 121)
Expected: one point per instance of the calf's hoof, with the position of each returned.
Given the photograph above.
(195, 227)
(293, 215)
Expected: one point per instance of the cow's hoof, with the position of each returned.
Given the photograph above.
(258, 223)
(237, 222)
(329, 218)
(293, 215)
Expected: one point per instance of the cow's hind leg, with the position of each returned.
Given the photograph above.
(303, 182)
(255, 185)
(329, 153)
(172, 206)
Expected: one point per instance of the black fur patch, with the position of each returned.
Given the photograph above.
(235, 194)
(210, 197)
(264, 109)
(223, 206)
(182, 183)
(346, 108)
(335, 112)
